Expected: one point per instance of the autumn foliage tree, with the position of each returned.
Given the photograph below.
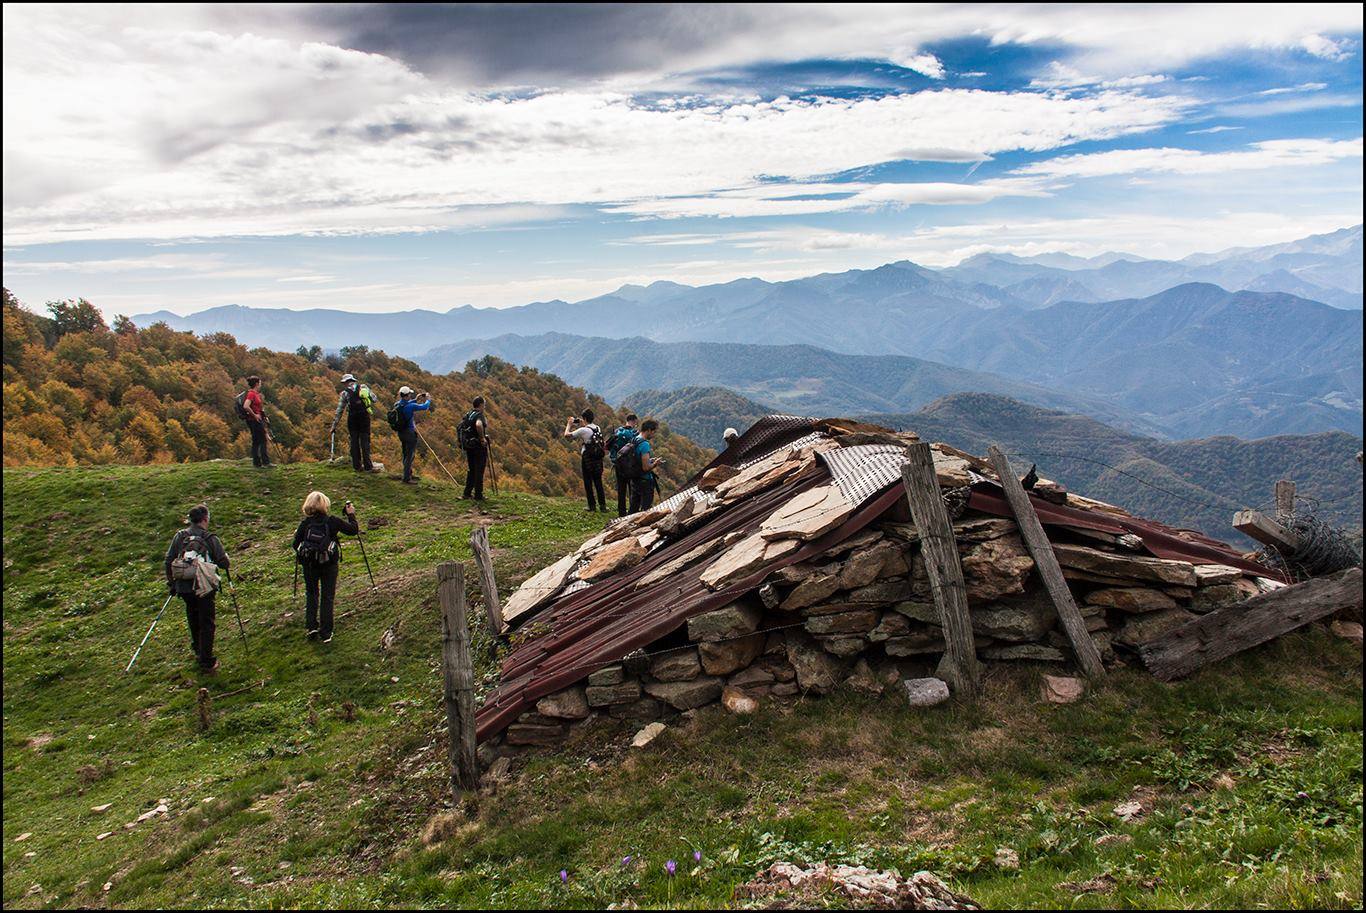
(77, 392)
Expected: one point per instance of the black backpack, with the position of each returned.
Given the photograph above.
(358, 402)
(594, 450)
(628, 464)
(466, 433)
(242, 411)
(394, 418)
(317, 546)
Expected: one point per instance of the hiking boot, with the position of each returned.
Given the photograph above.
(210, 670)
(311, 634)
(327, 639)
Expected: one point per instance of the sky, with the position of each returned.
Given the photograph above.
(391, 157)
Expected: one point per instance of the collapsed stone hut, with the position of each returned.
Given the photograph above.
(790, 565)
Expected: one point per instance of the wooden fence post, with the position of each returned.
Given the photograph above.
(483, 559)
(1285, 500)
(940, 551)
(1041, 550)
(457, 677)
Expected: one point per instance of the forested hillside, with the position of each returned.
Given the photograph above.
(700, 413)
(79, 392)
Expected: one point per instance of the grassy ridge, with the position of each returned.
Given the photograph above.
(285, 801)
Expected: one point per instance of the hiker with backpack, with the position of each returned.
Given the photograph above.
(359, 404)
(591, 454)
(251, 408)
(318, 552)
(473, 437)
(192, 563)
(619, 449)
(642, 466)
(401, 420)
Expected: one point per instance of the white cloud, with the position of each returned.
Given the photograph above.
(1302, 87)
(1221, 128)
(1259, 156)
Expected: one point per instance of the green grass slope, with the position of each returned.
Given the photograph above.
(1250, 774)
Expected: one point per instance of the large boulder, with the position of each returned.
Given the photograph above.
(569, 704)
(676, 665)
(618, 556)
(1139, 629)
(727, 656)
(996, 567)
(734, 620)
(686, 695)
(1131, 599)
(817, 670)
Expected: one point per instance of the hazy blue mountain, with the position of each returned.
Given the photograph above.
(1199, 483)
(802, 379)
(1194, 359)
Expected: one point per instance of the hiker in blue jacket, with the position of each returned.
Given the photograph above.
(643, 482)
(407, 406)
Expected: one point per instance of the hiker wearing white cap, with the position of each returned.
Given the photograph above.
(406, 407)
(359, 404)
(729, 436)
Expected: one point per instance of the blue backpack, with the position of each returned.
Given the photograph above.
(623, 442)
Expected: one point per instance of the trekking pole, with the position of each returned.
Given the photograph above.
(332, 447)
(361, 542)
(296, 582)
(232, 592)
(149, 632)
(435, 457)
(493, 470)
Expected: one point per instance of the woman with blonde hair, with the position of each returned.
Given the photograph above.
(317, 550)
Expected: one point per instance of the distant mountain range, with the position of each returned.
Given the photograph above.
(1249, 341)
(795, 378)
(701, 414)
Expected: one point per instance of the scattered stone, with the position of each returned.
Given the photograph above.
(926, 692)
(499, 770)
(1101, 884)
(101, 809)
(786, 884)
(104, 835)
(736, 701)
(569, 704)
(1347, 630)
(678, 665)
(647, 735)
(1113, 840)
(24, 836)
(1130, 811)
(1006, 858)
(1223, 781)
(1062, 689)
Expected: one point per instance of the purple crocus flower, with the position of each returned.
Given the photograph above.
(696, 855)
(564, 877)
(625, 861)
(671, 867)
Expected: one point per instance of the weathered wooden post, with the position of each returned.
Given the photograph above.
(457, 677)
(1041, 550)
(483, 559)
(940, 551)
(1285, 500)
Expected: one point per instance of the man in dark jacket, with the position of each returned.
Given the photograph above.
(358, 403)
(193, 543)
(476, 449)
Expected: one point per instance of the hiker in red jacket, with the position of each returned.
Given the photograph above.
(255, 416)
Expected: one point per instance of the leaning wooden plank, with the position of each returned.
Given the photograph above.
(1041, 550)
(1227, 631)
(940, 551)
(483, 559)
(1265, 530)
